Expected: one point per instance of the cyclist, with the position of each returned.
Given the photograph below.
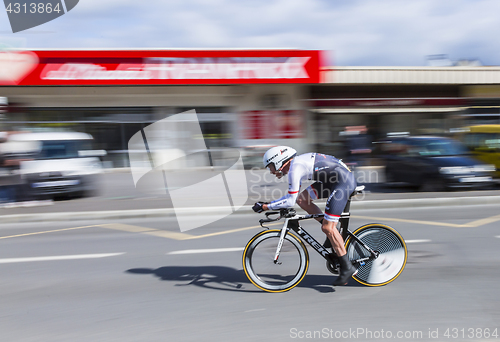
(333, 180)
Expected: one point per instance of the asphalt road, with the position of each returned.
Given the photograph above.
(119, 281)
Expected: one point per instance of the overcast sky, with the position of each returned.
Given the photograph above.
(357, 32)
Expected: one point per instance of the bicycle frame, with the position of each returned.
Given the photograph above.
(292, 223)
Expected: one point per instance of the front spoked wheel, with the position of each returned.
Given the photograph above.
(391, 249)
(259, 266)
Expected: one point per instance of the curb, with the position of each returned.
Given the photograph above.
(425, 202)
(156, 213)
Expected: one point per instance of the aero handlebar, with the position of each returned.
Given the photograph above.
(282, 213)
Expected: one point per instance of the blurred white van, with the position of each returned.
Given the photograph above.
(59, 163)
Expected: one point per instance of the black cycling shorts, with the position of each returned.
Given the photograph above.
(337, 186)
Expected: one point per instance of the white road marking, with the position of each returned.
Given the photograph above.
(498, 236)
(59, 257)
(215, 250)
(417, 241)
(254, 310)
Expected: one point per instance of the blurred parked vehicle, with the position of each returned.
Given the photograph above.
(483, 141)
(60, 163)
(12, 154)
(433, 164)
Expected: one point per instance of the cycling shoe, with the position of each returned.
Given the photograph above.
(347, 270)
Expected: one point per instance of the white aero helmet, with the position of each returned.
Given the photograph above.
(278, 156)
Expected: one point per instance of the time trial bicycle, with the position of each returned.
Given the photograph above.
(276, 260)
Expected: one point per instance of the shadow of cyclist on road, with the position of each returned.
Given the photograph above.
(224, 278)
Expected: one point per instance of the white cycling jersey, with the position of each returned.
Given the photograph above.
(301, 168)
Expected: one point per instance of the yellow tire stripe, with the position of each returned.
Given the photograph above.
(278, 231)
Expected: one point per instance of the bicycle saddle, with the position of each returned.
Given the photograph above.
(359, 189)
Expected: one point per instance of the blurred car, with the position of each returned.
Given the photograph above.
(483, 141)
(60, 163)
(433, 164)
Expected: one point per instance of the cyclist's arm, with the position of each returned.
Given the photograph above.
(294, 180)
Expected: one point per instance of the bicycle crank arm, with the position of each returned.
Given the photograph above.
(375, 255)
(362, 260)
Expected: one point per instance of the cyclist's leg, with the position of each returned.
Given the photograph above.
(339, 193)
(335, 201)
(305, 201)
(306, 198)
(329, 227)
(347, 270)
(335, 204)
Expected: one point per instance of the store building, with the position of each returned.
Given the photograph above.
(416, 100)
(243, 97)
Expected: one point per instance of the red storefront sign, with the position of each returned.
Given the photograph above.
(157, 67)
(272, 124)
